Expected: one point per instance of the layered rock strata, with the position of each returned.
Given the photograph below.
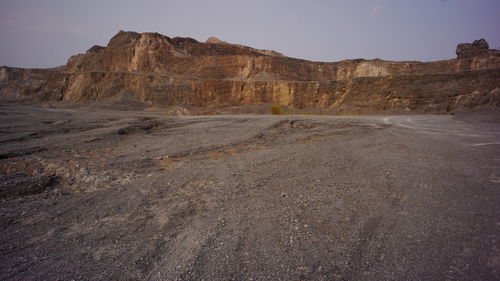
(163, 71)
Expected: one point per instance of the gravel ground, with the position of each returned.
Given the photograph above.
(99, 194)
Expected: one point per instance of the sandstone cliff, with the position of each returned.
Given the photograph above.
(163, 71)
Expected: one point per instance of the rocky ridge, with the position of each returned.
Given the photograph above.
(161, 71)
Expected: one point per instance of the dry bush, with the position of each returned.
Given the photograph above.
(277, 109)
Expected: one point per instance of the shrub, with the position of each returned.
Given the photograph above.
(276, 109)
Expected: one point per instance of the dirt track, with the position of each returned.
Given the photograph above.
(91, 194)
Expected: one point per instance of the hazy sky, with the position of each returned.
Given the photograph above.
(45, 33)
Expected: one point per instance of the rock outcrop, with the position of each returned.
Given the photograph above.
(162, 71)
(477, 48)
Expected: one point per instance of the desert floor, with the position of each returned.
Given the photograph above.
(97, 194)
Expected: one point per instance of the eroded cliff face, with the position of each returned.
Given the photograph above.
(163, 71)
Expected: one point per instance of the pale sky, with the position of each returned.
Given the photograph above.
(45, 33)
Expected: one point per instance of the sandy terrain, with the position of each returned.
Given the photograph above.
(94, 194)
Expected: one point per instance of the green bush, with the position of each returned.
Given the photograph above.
(276, 109)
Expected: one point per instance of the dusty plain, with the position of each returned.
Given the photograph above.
(88, 193)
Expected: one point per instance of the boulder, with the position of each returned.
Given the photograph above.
(477, 48)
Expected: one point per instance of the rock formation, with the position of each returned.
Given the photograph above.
(477, 48)
(162, 71)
